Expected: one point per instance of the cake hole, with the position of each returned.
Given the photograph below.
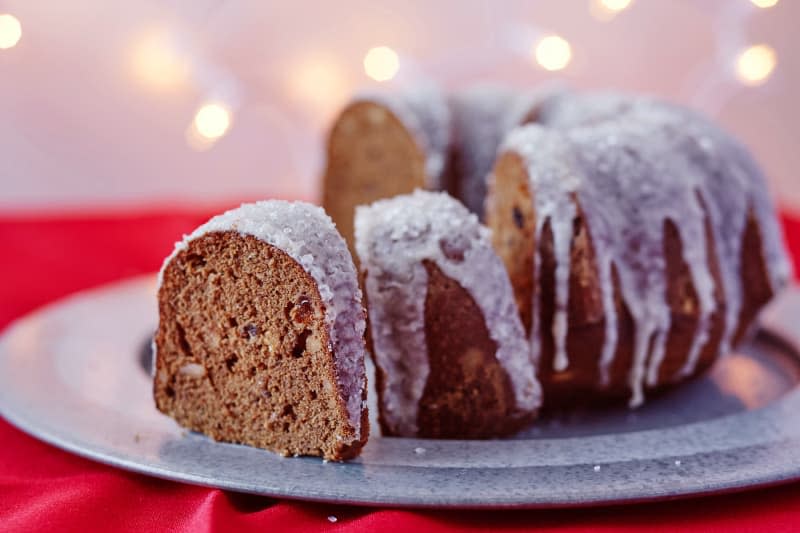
(231, 361)
(288, 411)
(182, 342)
(170, 391)
(300, 344)
(250, 331)
(313, 394)
(196, 260)
(519, 219)
(233, 322)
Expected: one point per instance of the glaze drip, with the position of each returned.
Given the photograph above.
(628, 165)
(393, 238)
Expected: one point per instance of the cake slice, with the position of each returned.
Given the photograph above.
(451, 354)
(382, 145)
(260, 338)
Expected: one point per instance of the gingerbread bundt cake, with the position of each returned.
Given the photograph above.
(261, 333)
(452, 358)
(639, 238)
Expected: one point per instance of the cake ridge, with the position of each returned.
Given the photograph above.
(652, 162)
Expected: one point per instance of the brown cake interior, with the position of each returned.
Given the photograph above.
(367, 141)
(468, 393)
(243, 350)
(511, 217)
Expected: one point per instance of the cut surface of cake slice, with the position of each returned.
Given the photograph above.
(261, 333)
(452, 358)
(384, 144)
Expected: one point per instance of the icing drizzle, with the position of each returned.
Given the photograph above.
(393, 237)
(632, 164)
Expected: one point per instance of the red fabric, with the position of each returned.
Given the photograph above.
(45, 489)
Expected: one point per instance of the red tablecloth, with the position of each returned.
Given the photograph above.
(43, 488)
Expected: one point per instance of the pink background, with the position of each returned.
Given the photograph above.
(79, 126)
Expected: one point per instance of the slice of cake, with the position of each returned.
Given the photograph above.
(261, 333)
(384, 144)
(451, 354)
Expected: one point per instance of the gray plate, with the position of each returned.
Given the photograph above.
(71, 375)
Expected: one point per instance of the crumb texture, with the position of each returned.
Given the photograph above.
(261, 333)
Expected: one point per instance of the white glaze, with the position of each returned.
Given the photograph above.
(633, 163)
(481, 117)
(309, 236)
(393, 237)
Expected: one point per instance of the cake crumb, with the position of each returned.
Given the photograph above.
(677, 462)
(596, 468)
(419, 451)
(332, 519)
(137, 437)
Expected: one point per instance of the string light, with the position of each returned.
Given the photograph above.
(381, 63)
(755, 65)
(608, 9)
(212, 120)
(308, 74)
(10, 31)
(553, 52)
(764, 4)
(615, 5)
(156, 61)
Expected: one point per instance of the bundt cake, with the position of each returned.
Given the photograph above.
(639, 238)
(261, 333)
(452, 357)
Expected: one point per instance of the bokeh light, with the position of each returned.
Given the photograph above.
(156, 60)
(615, 5)
(553, 52)
(755, 65)
(763, 4)
(212, 120)
(10, 31)
(608, 9)
(381, 63)
(319, 84)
